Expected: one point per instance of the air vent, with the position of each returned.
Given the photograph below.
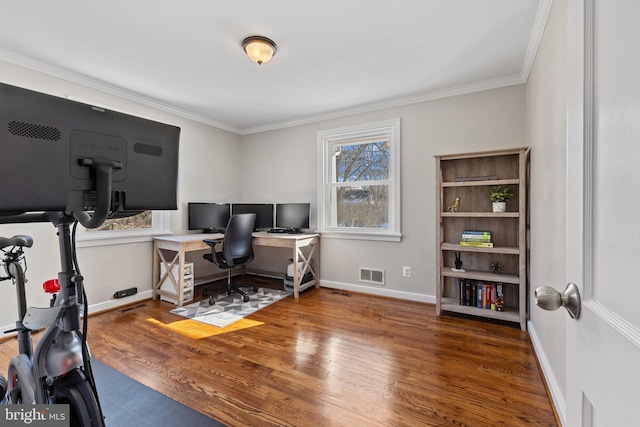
(372, 275)
(30, 130)
(146, 149)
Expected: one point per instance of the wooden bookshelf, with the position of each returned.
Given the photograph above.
(462, 175)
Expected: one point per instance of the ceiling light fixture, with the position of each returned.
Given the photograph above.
(259, 49)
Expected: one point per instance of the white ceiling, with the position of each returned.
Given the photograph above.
(334, 57)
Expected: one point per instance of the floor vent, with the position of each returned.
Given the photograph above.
(344, 294)
(124, 310)
(372, 275)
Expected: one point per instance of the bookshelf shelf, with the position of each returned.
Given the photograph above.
(481, 275)
(491, 183)
(510, 314)
(495, 249)
(468, 176)
(481, 214)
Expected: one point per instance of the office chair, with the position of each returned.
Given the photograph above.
(237, 250)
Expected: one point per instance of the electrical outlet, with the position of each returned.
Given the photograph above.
(406, 271)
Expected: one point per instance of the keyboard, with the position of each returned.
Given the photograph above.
(277, 230)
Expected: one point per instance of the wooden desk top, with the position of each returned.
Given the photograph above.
(186, 238)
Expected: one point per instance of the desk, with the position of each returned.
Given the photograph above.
(194, 242)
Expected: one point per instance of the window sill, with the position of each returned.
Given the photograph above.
(360, 235)
(105, 238)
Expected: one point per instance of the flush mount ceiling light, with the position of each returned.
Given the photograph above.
(259, 49)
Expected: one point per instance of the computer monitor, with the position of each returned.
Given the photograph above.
(263, 211)
(65, 156)
(292, 216)
(209, 217)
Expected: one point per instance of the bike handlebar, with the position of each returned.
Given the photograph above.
(103, 170)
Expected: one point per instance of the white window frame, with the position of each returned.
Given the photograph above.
(160, 224)
(341, 136)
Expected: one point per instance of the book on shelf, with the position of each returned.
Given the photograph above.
(476, 239)
(477, 244)
(499, 297)
(482, 295)
(476, 233)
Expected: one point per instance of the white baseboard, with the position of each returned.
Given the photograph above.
(552, 383)
(119, 302)
(377, 290)
(95, 308)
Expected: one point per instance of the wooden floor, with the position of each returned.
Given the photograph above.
(331, 358)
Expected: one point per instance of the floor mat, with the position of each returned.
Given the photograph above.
(230, 308)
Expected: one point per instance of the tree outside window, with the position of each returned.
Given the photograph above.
(141, 221)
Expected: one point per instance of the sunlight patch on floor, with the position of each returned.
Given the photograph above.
(198, 330)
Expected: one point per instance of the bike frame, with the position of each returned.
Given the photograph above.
(62, 348)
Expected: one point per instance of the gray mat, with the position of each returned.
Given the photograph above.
(230, 308)
(126, 402)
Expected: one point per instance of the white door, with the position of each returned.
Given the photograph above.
(603, 211)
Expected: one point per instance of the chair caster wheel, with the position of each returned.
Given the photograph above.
(246, 298)
(205, 293)
(211, 300)
(255, 289)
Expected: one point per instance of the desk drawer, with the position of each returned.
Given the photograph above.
(188, 270)
(187, 297)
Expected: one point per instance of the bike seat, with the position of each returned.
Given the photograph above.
(19, 240)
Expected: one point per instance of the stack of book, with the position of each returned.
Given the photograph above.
(479, 239)
(485, 295)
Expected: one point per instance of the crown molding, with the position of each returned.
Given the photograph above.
(393, 103)
(544, 9)
(61, 73)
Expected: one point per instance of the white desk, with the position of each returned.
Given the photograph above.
(195, 242)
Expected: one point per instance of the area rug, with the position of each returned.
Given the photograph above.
(230, 308)
(126, 402)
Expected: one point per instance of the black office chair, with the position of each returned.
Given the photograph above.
(237, 250)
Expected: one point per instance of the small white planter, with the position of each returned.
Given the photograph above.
(499, 206)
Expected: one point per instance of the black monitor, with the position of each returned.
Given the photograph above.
(209, 217)
(65, 156)
(263, 211)
(292, 216)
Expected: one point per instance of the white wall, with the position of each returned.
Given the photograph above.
(280, 166)
(207, 156)
(546, 134)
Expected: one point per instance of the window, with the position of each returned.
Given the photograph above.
(137, 228)
(141, 221)
(359, 181)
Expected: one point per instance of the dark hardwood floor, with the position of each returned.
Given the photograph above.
(331, 358)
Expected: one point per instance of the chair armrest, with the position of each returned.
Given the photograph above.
(212, 242)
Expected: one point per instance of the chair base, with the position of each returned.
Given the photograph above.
(230, 288)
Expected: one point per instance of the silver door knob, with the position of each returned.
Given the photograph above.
(549, 299)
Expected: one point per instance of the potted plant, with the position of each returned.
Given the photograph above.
(500, 196)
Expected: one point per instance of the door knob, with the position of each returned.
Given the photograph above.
(550, 299)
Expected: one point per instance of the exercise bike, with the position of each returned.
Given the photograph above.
(58, 370)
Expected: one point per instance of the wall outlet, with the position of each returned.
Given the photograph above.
(406, 271)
